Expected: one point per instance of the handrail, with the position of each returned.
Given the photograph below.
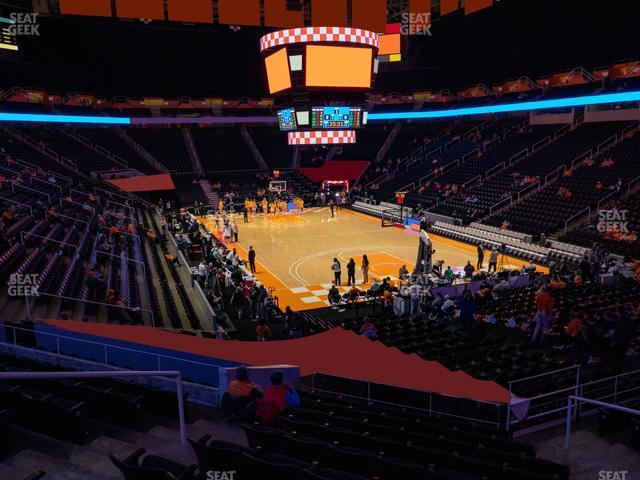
(496, 168)
(580, 213)
(66, 244)
(75, 299)
(511, 160)
(430, 394)
(13, 185)
(499, 204)
(471, 154)
(605, 142)
(4, 199)
(561, 130)
(577, 399)
(110, 374)
(473, 180)
(531, 186)
(44, 181)
(67, 216)
(556, 172)
(606, 197)
(628, 128)
(632, 182)
(541, 143)
(581, 157)
(545, 374)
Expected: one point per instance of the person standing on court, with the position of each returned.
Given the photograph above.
(332, 205)
(245, 214)
(351, 272)
(234, 230)
(252, 259)
(365, 269)
(337, 271)
(480, 257)
(493, 260)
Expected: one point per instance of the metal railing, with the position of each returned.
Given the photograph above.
(605, 198)
(542, 397)
(495, 169)
(549, 406)
(31, 179)
(103, 352)
(431, 403)
(500, 204)
(575, 400)
(577, 215)
(14, 186)
(632, 183)
(609, 142)
(553, 175)
(477, 178)
(532, 186)
(4, 199)
(541, 143)
(84, 301)
(109, 374)
(582, 157)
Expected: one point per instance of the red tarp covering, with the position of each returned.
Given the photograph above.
(336, 170)
(146, 183)
(336, 352)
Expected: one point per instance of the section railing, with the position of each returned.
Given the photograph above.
(431, 403)
(548, 407)
(109, 374)
(574, 217)
(574, 401)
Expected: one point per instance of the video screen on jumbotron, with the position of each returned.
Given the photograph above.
(287, 119)
(336, 117)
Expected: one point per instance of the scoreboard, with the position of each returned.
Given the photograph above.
(321, 118)
(8, 40)
(336, 117)
(287, 120)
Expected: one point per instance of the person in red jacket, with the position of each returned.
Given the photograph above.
(545, 306)
(275, 399)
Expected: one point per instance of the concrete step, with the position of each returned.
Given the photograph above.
(108, 445)
(218, 429)
(57, 469)
(12, 473)
(162, 441)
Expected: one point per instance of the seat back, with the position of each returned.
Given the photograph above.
(135, 472)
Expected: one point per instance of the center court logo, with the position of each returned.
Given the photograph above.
(23, 285)
(415, 24)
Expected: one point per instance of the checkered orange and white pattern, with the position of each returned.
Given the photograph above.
(319, 34)
(325, 137)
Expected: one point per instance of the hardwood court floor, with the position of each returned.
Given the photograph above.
(294, 252)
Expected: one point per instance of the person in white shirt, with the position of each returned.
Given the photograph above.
(448, 305)
(234, 230)
(415, 292)
(337, 270)
(202, 273)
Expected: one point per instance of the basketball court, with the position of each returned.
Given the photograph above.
(294, 252)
